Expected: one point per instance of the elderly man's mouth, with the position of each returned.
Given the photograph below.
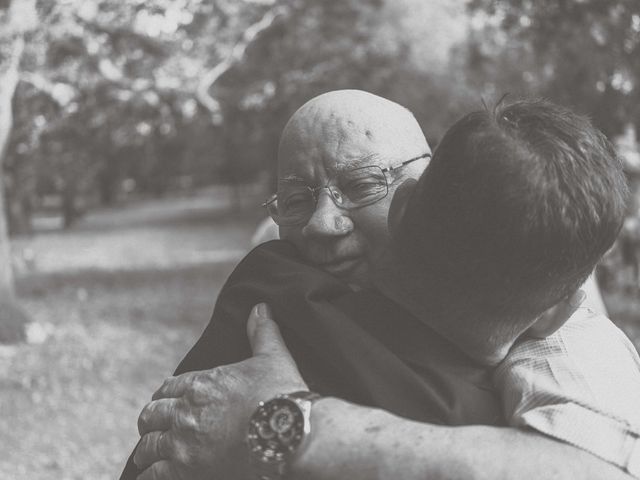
(341, 267)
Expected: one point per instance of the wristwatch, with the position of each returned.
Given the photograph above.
(277, 430)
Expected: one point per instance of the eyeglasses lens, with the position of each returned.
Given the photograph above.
(359, 187)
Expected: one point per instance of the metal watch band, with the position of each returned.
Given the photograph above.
(276, 470)
(304, 395)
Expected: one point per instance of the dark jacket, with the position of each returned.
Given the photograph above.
(358, 346)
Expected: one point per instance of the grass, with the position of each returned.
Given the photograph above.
(70, 404)
(122, 300)
(122, 297)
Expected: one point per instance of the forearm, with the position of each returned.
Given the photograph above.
(354, 442)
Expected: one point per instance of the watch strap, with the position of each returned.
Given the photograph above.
(276, 470)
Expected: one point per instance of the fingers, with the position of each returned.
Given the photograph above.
(174, 387)
(264, 334)
(161, 470)
(157, 415)
(153, 447)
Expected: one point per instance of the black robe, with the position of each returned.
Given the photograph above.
(358, 346)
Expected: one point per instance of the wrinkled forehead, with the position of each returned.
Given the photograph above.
(347, 129)
(310, 169)
(316, 151)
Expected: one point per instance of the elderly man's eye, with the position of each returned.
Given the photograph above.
(364, 188)
(296, 201)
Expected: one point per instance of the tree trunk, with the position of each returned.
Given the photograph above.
(12, 319)
(69, 210)
(107, 184)
(6, 273)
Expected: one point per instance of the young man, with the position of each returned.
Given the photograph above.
(332, 221)
(512, 214)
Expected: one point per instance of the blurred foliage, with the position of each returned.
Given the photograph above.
(108, 92)
(111, 90)
(585, 54)
(105, 95)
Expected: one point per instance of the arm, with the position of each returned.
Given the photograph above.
(196, 424)
(354, 442)
(270, 273)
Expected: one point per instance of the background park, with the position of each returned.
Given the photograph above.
(138, 139)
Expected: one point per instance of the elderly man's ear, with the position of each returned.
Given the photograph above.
(556, 316)
(399, 203)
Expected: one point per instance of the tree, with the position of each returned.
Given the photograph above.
(584, 54)
(109, 90)
(303, 48)
(313, 47)
(15, 22)
(161, 89)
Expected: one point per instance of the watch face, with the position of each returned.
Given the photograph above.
(276, 430)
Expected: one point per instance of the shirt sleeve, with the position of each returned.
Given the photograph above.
(580, 385)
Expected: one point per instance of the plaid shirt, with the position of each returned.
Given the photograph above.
(581, 385)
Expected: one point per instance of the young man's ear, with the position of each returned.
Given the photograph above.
(556, 316)
(399, 203)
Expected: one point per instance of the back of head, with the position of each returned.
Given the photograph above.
(513, 213)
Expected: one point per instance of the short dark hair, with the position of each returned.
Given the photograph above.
(516, 208)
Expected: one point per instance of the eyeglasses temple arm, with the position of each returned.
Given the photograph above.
(406, 162)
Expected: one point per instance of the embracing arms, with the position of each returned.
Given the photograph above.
(195, 427)
(361, 443)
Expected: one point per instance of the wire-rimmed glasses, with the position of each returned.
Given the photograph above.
(358, 187)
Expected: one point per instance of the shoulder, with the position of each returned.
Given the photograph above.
(593, 336)
(588, 361)
(580, 385)
(586, 334)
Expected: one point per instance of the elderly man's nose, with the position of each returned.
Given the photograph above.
(328, 219)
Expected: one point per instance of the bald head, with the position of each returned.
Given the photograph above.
(325, 144)
(336, 120)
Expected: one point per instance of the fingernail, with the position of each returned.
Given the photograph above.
(259, 313)
(263, 310)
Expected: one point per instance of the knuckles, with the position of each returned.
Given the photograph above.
(188, 420)
(143, 420)
(202, 389)
(214, 386)
(166, 384)
(182, 454)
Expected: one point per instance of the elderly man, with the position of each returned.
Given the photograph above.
(359, 139)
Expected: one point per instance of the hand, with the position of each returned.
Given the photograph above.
(194, 427)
